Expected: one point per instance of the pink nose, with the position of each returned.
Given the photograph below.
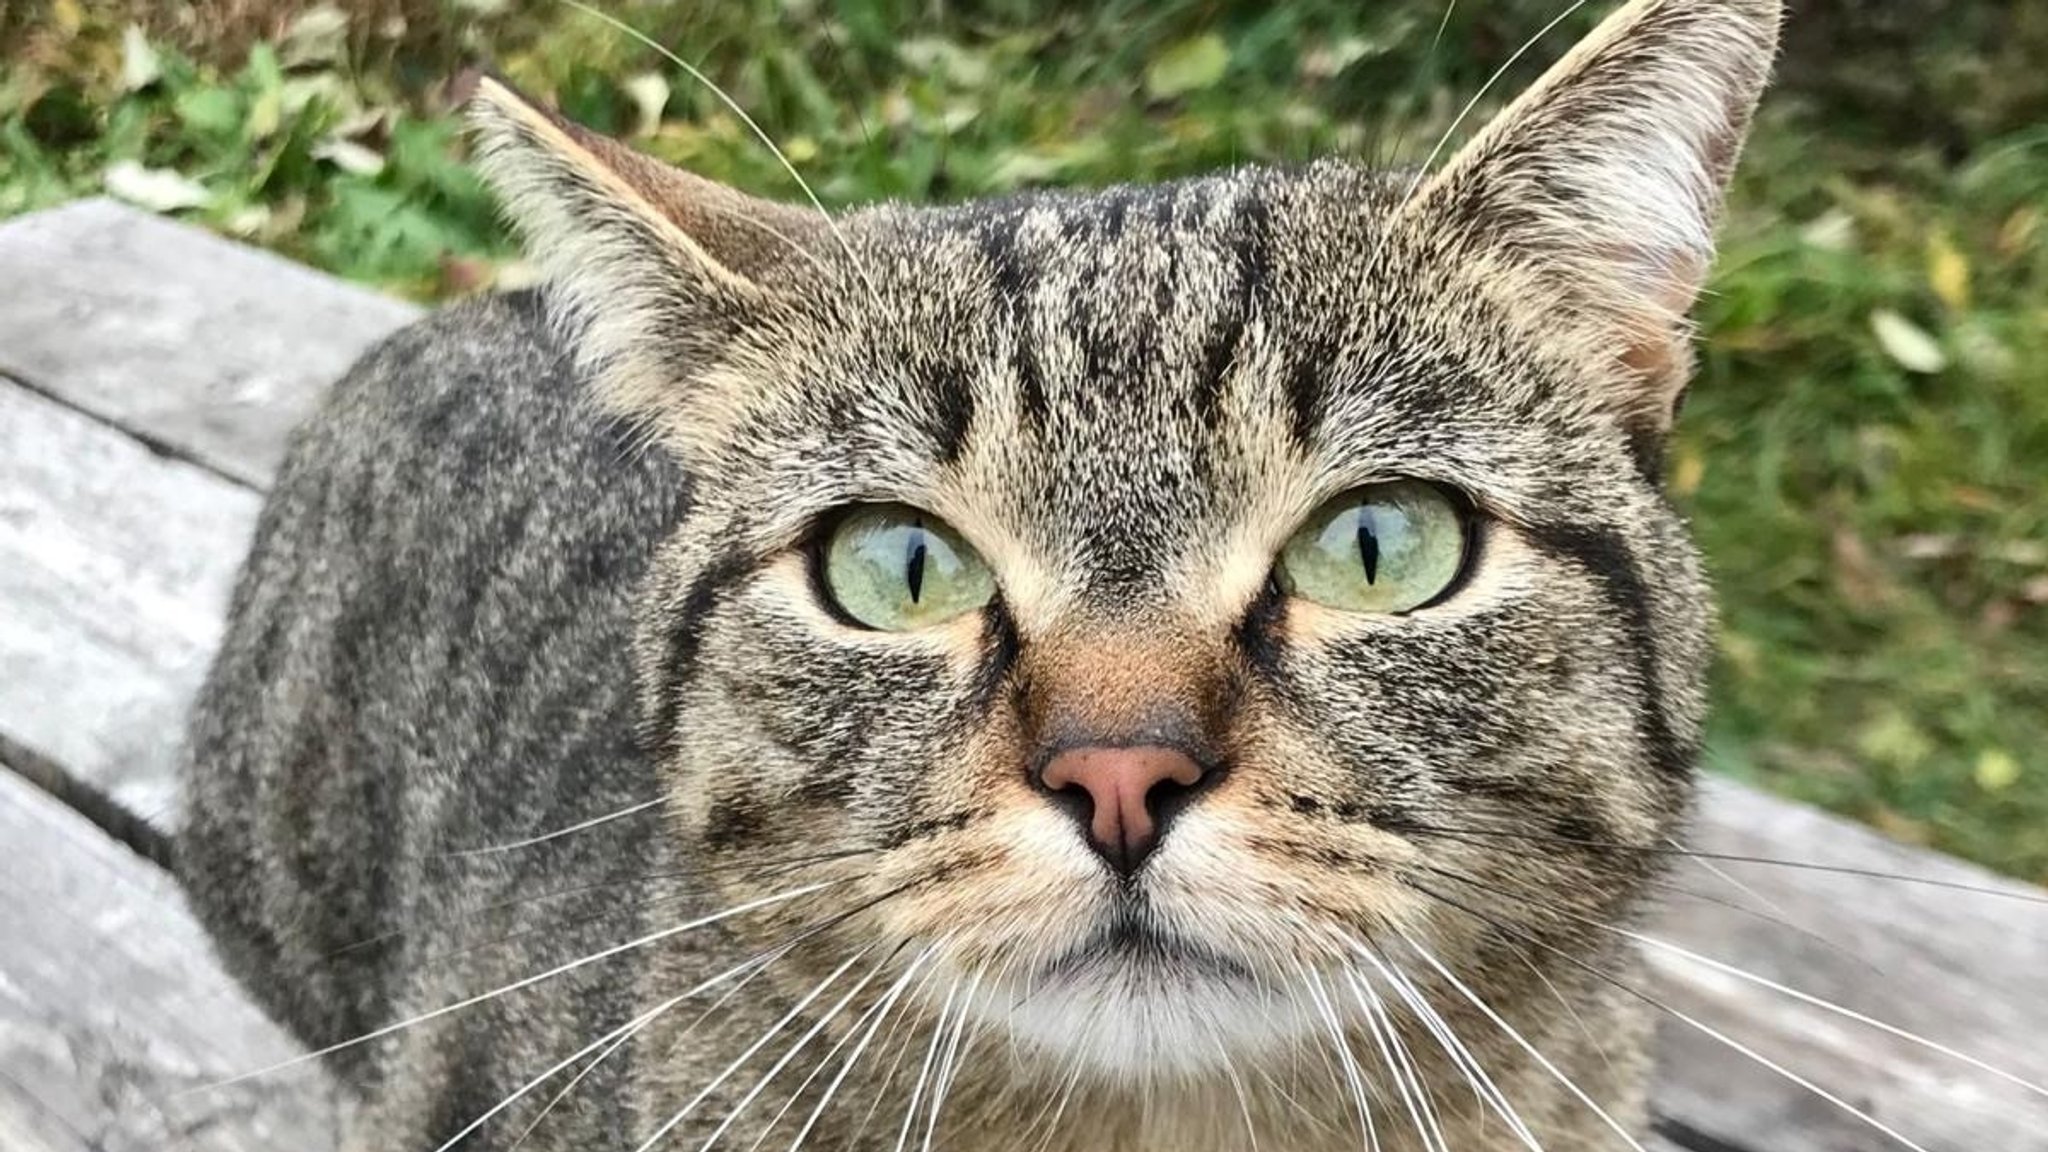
(1124, 788)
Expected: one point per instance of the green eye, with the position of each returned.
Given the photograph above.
(1386, 548)
(894, 568)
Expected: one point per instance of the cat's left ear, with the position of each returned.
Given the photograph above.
(650, 263)
(1594, 196)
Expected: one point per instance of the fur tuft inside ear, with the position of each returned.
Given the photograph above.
(1601, 186)
(644, 261)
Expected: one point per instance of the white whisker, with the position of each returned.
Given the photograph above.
(1826, 1006)
(924, 1074)
(1353, 1077)
(557, 834)
(824, 1019)
(610, 1042)
(1512, 1034)
(1461, 1056)
(752, 125)
(770, 1033)
(1388, 1040)
(949, 1065)
(880, 1011)
(1471, 105)
(528, 982)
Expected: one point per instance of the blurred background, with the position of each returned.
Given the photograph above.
(1865, 454)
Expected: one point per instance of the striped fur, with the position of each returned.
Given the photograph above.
(1126, 400)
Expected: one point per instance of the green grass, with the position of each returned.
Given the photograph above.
(1865, 454)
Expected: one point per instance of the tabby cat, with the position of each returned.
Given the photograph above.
(1078, 672)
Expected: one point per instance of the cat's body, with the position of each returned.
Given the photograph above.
(1337, 869)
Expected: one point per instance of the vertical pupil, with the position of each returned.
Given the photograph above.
(1369, 545)
(913, 562)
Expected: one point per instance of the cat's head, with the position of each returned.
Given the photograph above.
(1149, 602)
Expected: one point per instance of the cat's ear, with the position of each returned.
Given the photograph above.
(1600, 187)
(643, 257)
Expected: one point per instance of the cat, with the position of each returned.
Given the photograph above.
(1078, 671)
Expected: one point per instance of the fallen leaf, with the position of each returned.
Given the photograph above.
(1948, 271)
(1894, 741)
(1188, 66)
(157, 189)
(649, 94)
(140, 64)
(319, 35)
(2018, 231)
(1831, 231)
(1687, 472)
(349, 156)
(1907, 343)
(1996, 770)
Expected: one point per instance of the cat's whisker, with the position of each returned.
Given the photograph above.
(752, 871)
(1686, 1018)
(1353, 1078)
(1440, 1029)
(1520, 1041)
(824, 1019)
(924, 1074)
(1474, 834)
(1465, 113)
(571, 830)
(1598, 1045)
(1244, 1104)
(610, 1042)
(528, 982)
(1828, 1006)
(747, 1054)
(1388, 1040)
(1807, 998)
(753, 126)
(1443, 25)
(878, 1012)
(896, 1029)
(766, 959)
(949, 1065)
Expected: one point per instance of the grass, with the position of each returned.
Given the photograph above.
(1866, 453)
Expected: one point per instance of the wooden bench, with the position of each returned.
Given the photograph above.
(148, 375)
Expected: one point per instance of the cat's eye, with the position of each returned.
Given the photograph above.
(1385, 548)
(894, 568)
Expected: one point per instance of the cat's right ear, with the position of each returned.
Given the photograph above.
(647, 261)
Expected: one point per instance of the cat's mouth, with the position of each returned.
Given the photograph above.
(1130, 944)
(1137, 999)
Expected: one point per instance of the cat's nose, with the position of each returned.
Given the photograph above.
(1129, 792)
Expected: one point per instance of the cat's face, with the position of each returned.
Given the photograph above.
(1137, 428)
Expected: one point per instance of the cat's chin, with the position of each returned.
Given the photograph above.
(1131, 1007)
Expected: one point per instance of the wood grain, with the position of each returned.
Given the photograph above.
(207, 348)
(114, 1016)
(1963, 969)
(115, 569)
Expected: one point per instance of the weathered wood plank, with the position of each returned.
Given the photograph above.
(1965, 970)
(209, 348)
(115, 569)
(112, 1009)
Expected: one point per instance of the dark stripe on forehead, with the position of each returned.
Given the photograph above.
(685, 644)
(948, 408)
(1015, 278)
(1307, 397)
(1601, 554)
(1251, 258)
